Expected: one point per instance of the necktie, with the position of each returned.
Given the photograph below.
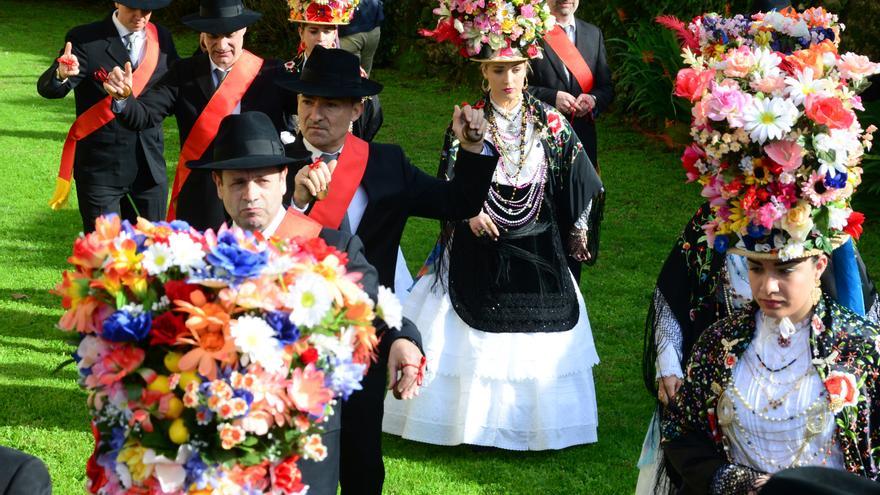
(569, 31)
(132, 52)
(345, 226)
(220, 75)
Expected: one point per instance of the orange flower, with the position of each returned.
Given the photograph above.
(828, 111)
(366, 342)
(209, 325)
(307, 391)
(107, 227)
(89, 252)
(812, 57)
(842, 390)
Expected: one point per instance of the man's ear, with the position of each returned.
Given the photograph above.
(283, 180)
(218, 181)
(357, 109)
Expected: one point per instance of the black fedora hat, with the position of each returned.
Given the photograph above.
(146, 4)
(245, 142)
(220, 17)
(331, 73)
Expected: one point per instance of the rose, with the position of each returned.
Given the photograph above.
(727, 103)
(854, 224)
(829, 111)
(286, 476)
(123, 326)
(854, 66)
(309, 356)
(738, 62)
(798, 221)
(532, 51)
(786, 154)
(842, 390)
(730, 360)
(167, 328)
(691, 84)
(178, 290)
(768, 85)
(554, 123)
(692, 154)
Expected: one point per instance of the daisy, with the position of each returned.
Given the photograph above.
(309, 300)
(187, 253)
(769, 118)
(255, 338)
(158, 258)
(798, 88)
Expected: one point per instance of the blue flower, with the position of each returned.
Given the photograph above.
(756, 231)
(285, 330)
(179, 226)
(239, 263)
(195, 469)
(123, 326)
(836, 182)
(244, 394)
(346, 378)
(139, 239)
(721, 243)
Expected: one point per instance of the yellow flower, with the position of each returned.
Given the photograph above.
(737, 222)
(132, 455)
(798, 221)
(763, 38)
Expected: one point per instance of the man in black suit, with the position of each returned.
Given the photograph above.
(113, 162)
(23, 474)
(553, 83)
(232, 79)
(371, 189)
(250, 176)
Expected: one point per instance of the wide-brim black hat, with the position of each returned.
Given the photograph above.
(221, 17)
(146, 4)
(246, 141)
(331, 73)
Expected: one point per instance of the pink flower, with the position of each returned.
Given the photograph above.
(307, 390)
(713, 191)
(815, 191)
(527, 11)
(767, 214)
(699, 111)
(727, 103)
(787, 154)
(768, 85)
(692, 154)
(829, 111)
(691, 84)
(854, 66)
(738, 62)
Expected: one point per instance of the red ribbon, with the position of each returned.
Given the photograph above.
(420, 376)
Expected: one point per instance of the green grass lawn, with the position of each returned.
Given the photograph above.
(45, 413)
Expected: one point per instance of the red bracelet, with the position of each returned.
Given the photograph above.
(420, 376)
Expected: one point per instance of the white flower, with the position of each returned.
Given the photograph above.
(769, 118)
(389, 308)
(767, 62)
(835, 149)
(798, 88)
(187, 253)
(162, 304)
(837, 217)
(309, 300)
(255, 338)
(90, 350)
(792, 250)
(328, 345)
(158, 258)
(171, 474)
(747, 165)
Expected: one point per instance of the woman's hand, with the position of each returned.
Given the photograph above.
(667, 388)
(469, 126)
(577, 245)
(482, 225)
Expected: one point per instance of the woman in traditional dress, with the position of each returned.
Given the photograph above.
(318, 24)
(504, 327)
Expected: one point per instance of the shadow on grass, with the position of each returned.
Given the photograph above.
(27, 371)
(55, 136)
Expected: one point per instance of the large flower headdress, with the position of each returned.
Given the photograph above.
(777, 144)
(337, 12)
(493, 29)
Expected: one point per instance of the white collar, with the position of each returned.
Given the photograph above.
(274, 224)
(123, 31)
(215, 66)
(571, 23)
(315, 151)
(770, 326)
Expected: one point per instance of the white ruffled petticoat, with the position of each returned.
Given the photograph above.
(515, 391)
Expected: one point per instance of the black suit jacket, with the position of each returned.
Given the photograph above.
(109, 155)
(184, 92)
(23, 474)
(396, 190)
(549, 77)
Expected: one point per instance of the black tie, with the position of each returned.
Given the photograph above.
(221, 75)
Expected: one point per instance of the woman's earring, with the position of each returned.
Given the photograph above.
(816, 295)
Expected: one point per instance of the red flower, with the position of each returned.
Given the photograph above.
(554, 123)
(166, 329)
(100, 75)
(178, 290)
(854, 224)
(842, 390)
(319, 13)
(286, 477)
(320, 250)
(692, 154)
(730, 360)
(95, 472)
(309, 356)
(445, 31)
(829, 111)
(532, 51)
(691, 84)
(749, 198)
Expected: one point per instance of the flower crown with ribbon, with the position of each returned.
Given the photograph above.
(327, 12)
(493, 30)
(777, 145)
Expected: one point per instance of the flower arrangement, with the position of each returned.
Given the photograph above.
(488, 29)
(322, 11)
(211, 360)
(777, 144)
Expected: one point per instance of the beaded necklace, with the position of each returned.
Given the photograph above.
(515, 211)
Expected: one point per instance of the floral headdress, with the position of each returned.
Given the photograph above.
(493, 30)
(777, 144)
(329, 12)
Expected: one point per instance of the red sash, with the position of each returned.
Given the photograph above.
(97, 116)
(296, 224)
(571, 57)
(346, 178)
(221, 104)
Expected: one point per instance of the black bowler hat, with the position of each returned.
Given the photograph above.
(221, 17)
(245, 142)
(146, 4)
(331, 73)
